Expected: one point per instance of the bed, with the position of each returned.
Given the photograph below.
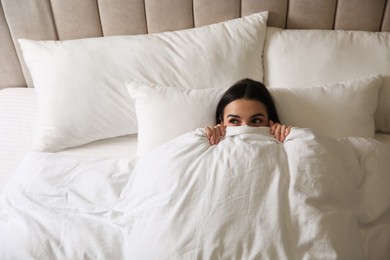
(103, 153)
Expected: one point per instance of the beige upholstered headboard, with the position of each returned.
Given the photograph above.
(71, 19)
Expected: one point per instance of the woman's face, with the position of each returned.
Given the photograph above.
(245, 112)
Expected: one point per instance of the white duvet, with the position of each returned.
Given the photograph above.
(249, 197)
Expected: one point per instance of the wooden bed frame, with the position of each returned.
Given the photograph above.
(72, 19)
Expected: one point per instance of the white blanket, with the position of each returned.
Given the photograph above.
(249, 197)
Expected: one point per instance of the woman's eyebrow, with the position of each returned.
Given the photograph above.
(255, 115)
(231, 115)
(259, 114)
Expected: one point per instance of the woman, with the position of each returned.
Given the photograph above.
(247, 102)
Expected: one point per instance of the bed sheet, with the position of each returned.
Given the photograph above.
(118, 147)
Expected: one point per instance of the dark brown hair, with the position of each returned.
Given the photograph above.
(247, 89)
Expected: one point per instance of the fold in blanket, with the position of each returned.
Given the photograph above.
(249, 197)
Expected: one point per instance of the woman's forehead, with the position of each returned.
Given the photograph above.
(245, 105)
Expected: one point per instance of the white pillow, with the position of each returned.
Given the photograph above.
(341, 109)
(338, 110)
(305, 58)
(80, 84)
(167, 112)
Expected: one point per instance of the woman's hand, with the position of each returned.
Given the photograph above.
(279, 131)
(214, 134)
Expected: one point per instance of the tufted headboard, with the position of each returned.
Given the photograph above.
(71, 19)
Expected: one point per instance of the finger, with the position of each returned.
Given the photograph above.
(208, 132)
(282, 133)
(272, 128)
(277, 132)
(212, 138)
(223, 130)
(288, 130)
(217, 134)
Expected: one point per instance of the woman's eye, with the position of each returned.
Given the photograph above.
(233, 121)
(257, 121)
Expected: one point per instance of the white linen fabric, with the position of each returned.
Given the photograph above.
(247, 197)
(304, 58)
(18, 122)
(338, 110)
(164, 113)
(81, 83)
(66, 210)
